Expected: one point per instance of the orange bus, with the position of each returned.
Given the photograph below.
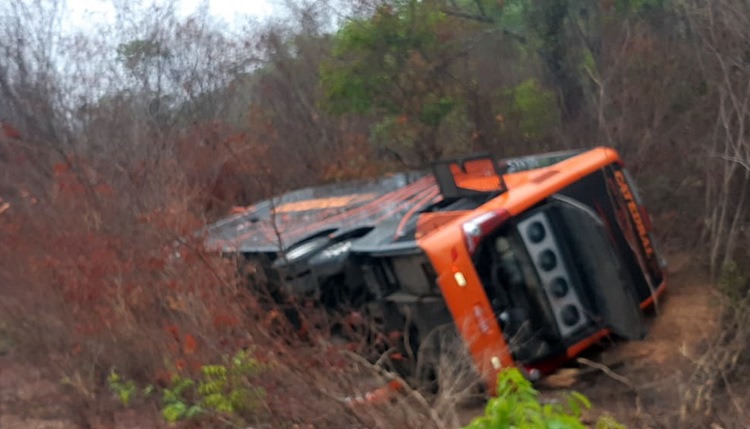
(528, 261)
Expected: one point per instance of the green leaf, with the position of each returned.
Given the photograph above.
(214, 371)
(174, 412)
(114, 377)
(214, 400)
(193, 411)
(148, 390)
(579, 400)
(126, 393)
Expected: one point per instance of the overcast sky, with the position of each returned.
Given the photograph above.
(83, 13)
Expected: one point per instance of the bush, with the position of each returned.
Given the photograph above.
(227, 392)
(517, 405)
(102, 279)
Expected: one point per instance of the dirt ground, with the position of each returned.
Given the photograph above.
(639, 385)
(642, 382)
(29, 400)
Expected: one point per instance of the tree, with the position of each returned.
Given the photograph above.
(396, 65)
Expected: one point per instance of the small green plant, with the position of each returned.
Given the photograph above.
(535, 107)
(124, 389)
(224, 390)
(517, 405)
(177, 403)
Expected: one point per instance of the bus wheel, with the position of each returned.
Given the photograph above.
(444, 364)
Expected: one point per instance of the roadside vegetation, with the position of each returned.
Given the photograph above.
(119, 143)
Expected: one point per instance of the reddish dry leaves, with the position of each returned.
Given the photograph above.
(108, 282)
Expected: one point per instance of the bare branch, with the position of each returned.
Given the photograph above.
(744, 163)
(605, 369)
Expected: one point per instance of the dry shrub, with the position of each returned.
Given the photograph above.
(389, 405)
(649, 101)
(459, 384)
(92, 281)
(716, 389)
(101, 264)
(99, 274)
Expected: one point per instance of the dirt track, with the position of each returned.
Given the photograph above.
(654, 366)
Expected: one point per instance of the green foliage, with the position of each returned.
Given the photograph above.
(589, 62)
(514, 69)
(372, 55)
(176, 402)
(393, 133)
(223, 389)
(226, 390)
(125, 390)
(607, 422)
(408, 64)
(178, 410)
(535, 109)
(516, 405)
(433, 113)
(513, 17)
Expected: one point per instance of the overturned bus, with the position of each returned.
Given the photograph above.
(528, 261)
